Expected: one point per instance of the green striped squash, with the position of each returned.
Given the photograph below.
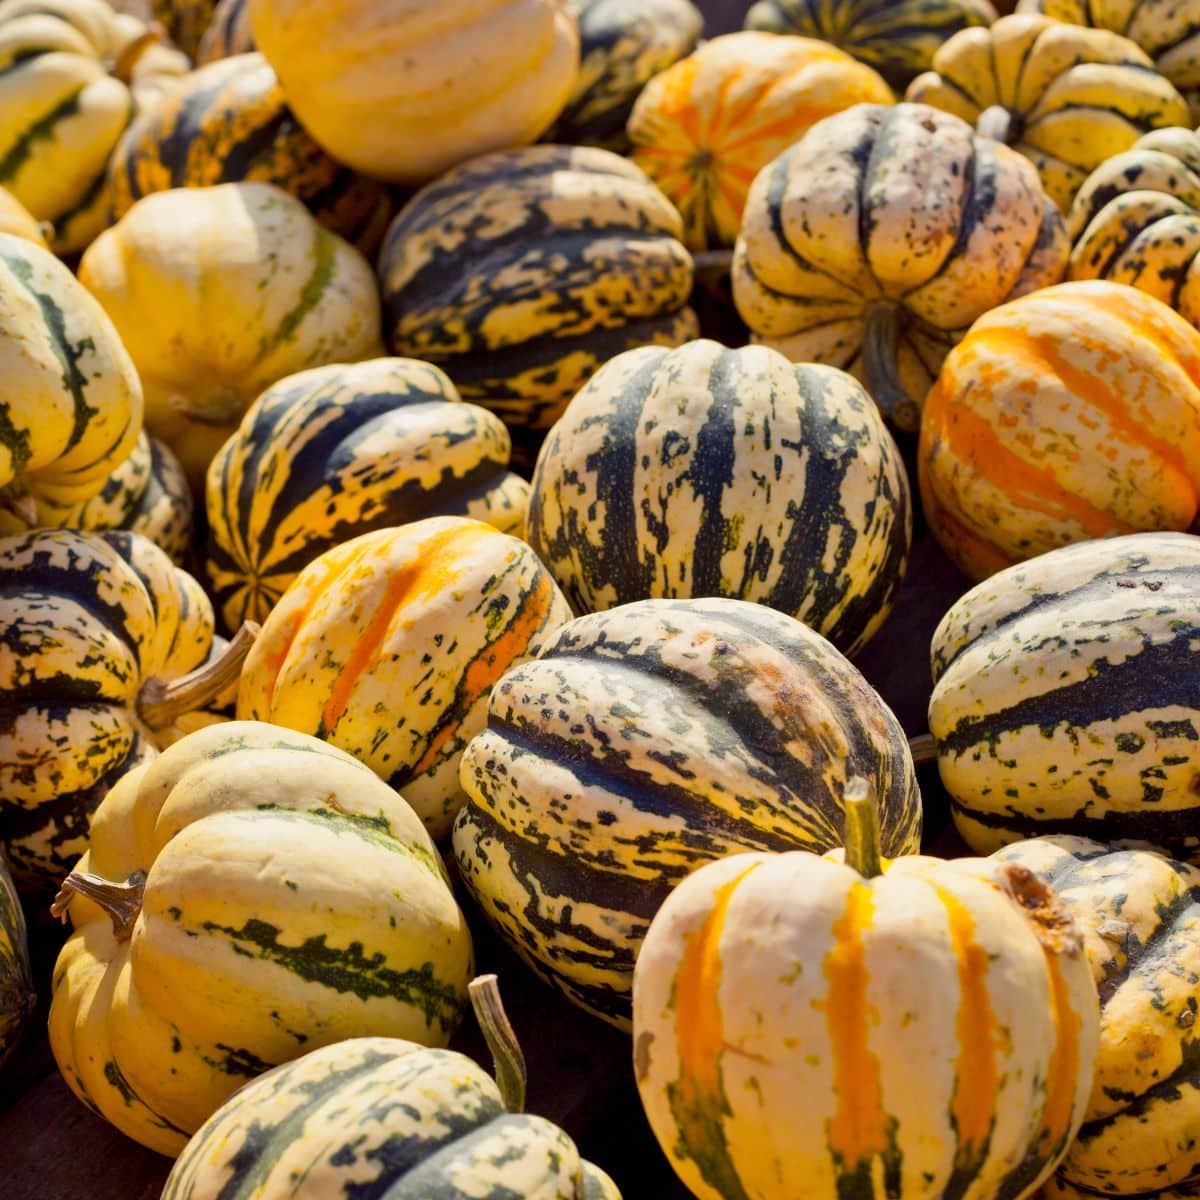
(648, 740)
(228, 32)
(1066, 697)
(17, 997)
(703, 471)
(1140, 916)
(330, 453)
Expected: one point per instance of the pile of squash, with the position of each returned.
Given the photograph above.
(450, 455)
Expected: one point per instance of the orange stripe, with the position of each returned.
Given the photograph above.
(1062, 1073)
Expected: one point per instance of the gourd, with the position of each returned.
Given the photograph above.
(338, 451)
(1063, 699)
(818, 1029)
(106, 642)
(228, 122)
(388, 646)
(218, 292)
(250, 895)
(16, 219)
(1069, 414)
(704, 128)
(860, 248)
(405, 93)
(1065, 96)
(640, 744)
(228, 33)
(1140, 917)
(521, 272)
(704, 471)
(18, 1000)
(185, 20)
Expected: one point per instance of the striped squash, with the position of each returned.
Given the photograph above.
(881, 267)
(228, 122)
(218, 292)
(623, 44)
(704, 471)
(1065, 700)
(389, 644)
(338, 451)
(185, 21)
(1065, 96)
(1140, 917)
(704, 128)
(823, 1030)
(896, 37)
(228, 32)
(523, 271)
(644, 742)
(250, 895)
(17, 997)
(1070, 414)
(16, 219)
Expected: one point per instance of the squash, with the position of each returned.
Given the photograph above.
(228, 122)
(1069, 414)
(704, 471)
(1140, 917)
(862, 249)
(104, 646)
(185, 21)
(622, 45)
(71, 408)
(16, 219)
(1064, 697)
(822, 1029)
(407, 92)
(337, 451)
(896, 37)
(521, 272)
(228, 33)
(18, 1000)
(704, 128)
(219, 292)
(643, 742)
(1065, 96)
(250, 895)
(388, 646)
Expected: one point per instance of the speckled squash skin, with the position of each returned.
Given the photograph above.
(644, 742)
(885, 264)
(1070, 414)
(291, 900)
(896, 37)
(1065, 96)
(185, 21)
(219, 292)
(522, 272)
(88, 619)
(338, 451)
(1140, 917)
(1064, 699)
(389, 645)
(803, 1031)
(704, 128)
(704, 471)
(380, 1114)
(17, 997)
(228, 122)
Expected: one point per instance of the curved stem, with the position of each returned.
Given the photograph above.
(502, 1041)
(127, 60)
(923, 749)
(882, 369)
(995, 123)
(22, 506)
(160, 704)
(862, 828)
(122, 901)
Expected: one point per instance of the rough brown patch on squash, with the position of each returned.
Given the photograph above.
(1051, 918)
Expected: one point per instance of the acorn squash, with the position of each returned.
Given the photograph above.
(228, 33)
(18, 1000)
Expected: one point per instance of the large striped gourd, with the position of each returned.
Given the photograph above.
(1072, 413)
(104, 645)
(704, 128)
(1065, 96)
(337, 451)
(250, 895)
(220, 291)
(18, 1000)
(228, 32)
(862, 248)
(645, 741)
(822, 1029)
(1140, 917)
(1065, 697)
(704, 471)
(388, 646)
(228, 122)
(523, 271)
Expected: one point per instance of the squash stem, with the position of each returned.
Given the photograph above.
(862, 828)
(125, 63)
(160, 704)
(923, 749)
(996, 123)
(22, 506)
(501, 1039)
(711, 266)
(882, 369)
(122, 901)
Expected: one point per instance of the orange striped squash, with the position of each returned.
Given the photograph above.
(1070, 414)
(388, 645)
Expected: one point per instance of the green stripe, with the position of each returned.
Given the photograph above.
(310, 296)
(42, 130)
